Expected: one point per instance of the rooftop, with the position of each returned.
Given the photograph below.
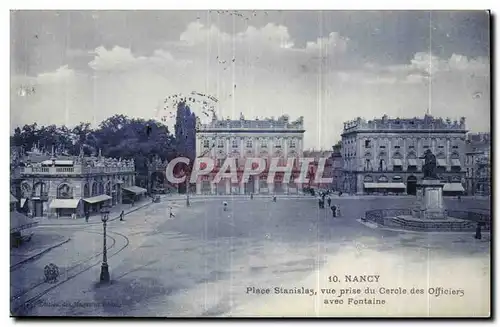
(428, 122)
(282, 123)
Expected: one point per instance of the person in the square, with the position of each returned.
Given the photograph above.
(334, 210)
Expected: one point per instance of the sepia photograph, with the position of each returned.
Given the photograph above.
(223, 163)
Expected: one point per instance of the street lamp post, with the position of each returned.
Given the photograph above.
(104, 267)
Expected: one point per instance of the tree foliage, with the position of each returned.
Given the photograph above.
(118, 136)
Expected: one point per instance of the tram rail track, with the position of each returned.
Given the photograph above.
(23, 302)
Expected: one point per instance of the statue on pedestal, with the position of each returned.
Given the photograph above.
(429, 168)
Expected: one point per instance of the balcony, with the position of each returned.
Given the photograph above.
(75, 170)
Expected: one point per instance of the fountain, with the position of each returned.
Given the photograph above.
(428, 212)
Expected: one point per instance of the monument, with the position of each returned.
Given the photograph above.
(429, 204)
(428, 212)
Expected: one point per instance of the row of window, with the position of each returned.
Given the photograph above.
(249, 143)
(368, 144)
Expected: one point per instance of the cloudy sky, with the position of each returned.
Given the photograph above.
(328, 66)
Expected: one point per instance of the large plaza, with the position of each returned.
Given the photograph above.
(201, 262)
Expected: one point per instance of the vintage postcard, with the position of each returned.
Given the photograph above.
(250, 163)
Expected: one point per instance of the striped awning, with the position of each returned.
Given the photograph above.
(64, 203)
(441, 162)
(23, 202)
(412, 162)
(135, 189)
(384, 185)
(397, 162)
(98, 198)
(455, 163)
(453, 187)
(19, 222)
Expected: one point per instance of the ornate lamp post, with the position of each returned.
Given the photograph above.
(104, 267)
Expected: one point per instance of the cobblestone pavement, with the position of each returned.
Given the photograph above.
(201, 262)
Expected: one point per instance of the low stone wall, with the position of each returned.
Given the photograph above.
(389, 218)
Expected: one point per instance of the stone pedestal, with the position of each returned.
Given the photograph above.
(431, 199)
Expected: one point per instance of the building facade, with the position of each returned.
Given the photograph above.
(478, 164)
(337, 167)
(314, 165)
(240, 139)
(384, 155)
(58, 186)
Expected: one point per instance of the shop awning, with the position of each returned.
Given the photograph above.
(412, 162)
(23, 202)
(119, 181)
(98, 198)
(135, 189)
(64, 203)
(384, 185)
(19, 222)
(453, 187)
(397, 162)
(455, 162)
(441, 162)
(13, 199)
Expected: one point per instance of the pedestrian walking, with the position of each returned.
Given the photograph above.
(329, 201)
(321, 203)
(334, 210)
(87, 214)
(251, 196)
(224, 204)
(171, 213)
(121, 215)
(274, 198)
(187, 201)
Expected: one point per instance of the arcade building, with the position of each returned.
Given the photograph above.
(60, 186)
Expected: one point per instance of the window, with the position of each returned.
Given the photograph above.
(277, 143)
(368, 165)
(382, 165)
(455, 147)
(220, 162)
(397, 147)
(263, 143)
(426, 146)
(249, 143)
(292, 143)
(220, 143)
(368, 144)
(234, 143)
(206, 143)
(382, 146)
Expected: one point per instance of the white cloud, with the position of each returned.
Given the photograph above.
(270, 76)
(122, 59)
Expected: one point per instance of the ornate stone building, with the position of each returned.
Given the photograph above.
(313, 167)
(61, 185)
(478, 164)
(337, 167)
(267, 138)
(383, 155)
